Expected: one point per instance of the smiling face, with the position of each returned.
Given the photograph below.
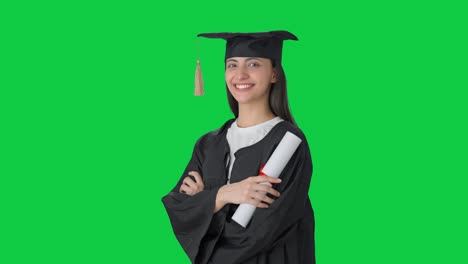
(249, 78)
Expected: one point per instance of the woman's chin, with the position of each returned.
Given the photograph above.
(244, 100)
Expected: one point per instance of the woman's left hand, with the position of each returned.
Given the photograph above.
(190, 186)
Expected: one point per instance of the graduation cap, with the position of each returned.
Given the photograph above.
(259, 44)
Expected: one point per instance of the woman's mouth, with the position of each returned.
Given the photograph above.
(245, 86)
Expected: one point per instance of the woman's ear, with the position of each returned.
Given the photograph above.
(273, 76)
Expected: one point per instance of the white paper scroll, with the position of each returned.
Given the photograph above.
(273, 168)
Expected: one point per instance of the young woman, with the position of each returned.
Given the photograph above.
(225, 164)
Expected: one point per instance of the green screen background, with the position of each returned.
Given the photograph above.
(98, 121)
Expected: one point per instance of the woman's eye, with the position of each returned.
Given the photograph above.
(253, 64)
(232, 65)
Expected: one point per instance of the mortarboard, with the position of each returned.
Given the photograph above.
(260, 44)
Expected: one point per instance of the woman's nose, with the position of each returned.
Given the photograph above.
(242, 73)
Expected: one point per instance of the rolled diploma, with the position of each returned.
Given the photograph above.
(273, 168)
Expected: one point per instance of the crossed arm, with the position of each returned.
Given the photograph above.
(248, 191)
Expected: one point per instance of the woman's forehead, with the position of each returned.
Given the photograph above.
(240, 59)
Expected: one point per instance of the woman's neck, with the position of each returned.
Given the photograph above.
(253, 114)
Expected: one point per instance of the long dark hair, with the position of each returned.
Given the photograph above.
(278, 97)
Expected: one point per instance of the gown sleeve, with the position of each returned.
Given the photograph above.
(236, 244)
(191, 216)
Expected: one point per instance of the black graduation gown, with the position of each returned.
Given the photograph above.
(282, 233)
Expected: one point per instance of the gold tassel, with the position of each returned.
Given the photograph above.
(198, 81)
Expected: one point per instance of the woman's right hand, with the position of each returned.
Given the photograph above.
(190, 186)
(249, 191)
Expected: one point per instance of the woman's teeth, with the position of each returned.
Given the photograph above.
(243, 86)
